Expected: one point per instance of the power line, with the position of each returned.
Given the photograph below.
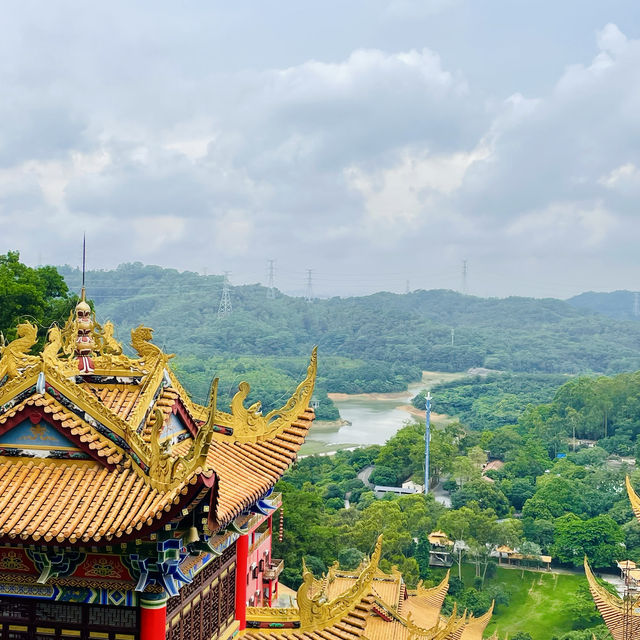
(636, 304)
(225, 307)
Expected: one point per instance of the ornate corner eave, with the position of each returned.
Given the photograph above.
(249, 425)
(316, 613)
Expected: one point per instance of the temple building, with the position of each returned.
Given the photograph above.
(127, 511)
(364, 604)
(621, 615)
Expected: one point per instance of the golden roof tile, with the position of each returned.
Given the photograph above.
(623, 622)
(116, 413)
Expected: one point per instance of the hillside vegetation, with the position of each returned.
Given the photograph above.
(516, 334)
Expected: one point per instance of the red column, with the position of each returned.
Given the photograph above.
(242, 559)
(153, 616)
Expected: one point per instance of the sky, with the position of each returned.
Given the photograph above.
(378, 143)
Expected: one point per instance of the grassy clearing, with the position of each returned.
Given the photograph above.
(538, 602)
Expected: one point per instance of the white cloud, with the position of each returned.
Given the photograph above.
(412, 191)
(127, 123)
(624, 176)
(566, 226)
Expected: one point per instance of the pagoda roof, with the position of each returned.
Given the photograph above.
(364, 603)
(133, 450)
(622, 621)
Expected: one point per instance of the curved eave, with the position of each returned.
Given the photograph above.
(612, 608)
(476, 626)
(245, 471)
(634, 499)
(77, 503)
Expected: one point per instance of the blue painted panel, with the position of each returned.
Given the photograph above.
(42, 435)
(173, 428)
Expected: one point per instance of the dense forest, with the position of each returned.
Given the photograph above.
(623, 305)
(375, 343)
(491, 400)
(514, 334)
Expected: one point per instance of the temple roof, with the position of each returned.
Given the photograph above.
(621, 617)
(96, 445)
(364, 603)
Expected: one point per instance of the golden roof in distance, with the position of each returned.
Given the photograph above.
(623, 622)
(364, 603)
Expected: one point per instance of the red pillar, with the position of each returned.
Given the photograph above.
(153, 616)
(242, 559)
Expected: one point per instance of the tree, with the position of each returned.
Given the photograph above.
(464, 470)
(350, 558)
(473, 526)
(518, 491)
(386, 517)
(598, 538)
(485, 493)
(555, 496)
(39, 295)
(423, 556)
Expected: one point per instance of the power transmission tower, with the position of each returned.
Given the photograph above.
(271, 293)
(309, 295)
(464, 277)
(636, 304)
(225, 307)
(407, 288)
(453, 336)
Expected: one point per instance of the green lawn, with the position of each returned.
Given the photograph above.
(538, 602)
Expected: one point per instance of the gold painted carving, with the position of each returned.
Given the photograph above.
(53, 346)
(167, 471)
(249, 425)
(449, 630)
(272, 614)
(316, 612)
(109, 344)
(141, 342)
(15, 355)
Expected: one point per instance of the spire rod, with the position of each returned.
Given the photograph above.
(84, 261)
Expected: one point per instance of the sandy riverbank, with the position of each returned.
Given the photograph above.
(418, 413)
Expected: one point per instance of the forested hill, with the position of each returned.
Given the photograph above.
(615, 304)
(518, 334)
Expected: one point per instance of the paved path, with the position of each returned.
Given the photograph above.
(364, 475)
(441, 496)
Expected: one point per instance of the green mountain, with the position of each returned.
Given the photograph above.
(615, 304)
(372, 343)
(518, 334)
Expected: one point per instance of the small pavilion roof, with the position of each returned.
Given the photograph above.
(440, 538)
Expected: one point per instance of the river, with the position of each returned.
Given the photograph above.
(373, 417)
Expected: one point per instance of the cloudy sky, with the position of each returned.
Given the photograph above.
(377, 142)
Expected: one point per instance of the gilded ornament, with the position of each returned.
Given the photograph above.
(167, 471)
(141, 342)
(110, 345)
(249, 425)
(53, 346)
(15, 355)
(317, 612)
